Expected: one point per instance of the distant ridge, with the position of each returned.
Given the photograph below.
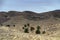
(4, 16)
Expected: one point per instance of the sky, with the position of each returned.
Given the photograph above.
(29, 5)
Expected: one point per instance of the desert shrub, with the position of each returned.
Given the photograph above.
(22, 27)
(38, 32)
(38, 27)
(8, 25)
(26, 30)
(28, 24)
(43, 32)
(1, 24)
(13, 25)
(31, 28)
(25, 25)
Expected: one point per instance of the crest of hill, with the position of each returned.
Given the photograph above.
(5, 16)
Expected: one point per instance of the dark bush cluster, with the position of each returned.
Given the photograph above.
(27, 26)
(26, 30)
(10, 25)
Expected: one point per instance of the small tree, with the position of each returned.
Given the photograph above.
(26, 30)
(38, 30)
(38, 27)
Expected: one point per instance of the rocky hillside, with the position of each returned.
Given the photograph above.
(4, 16)
(20, 18)
(44, 24)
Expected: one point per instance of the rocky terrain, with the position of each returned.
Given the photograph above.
(28, 25)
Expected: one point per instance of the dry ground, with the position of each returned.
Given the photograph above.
(12, 34)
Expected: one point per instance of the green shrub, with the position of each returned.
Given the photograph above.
(38, 32)
(38, 27)
(26, 30)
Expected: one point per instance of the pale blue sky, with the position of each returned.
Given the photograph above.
(29, 5)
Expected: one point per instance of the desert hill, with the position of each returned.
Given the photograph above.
(30, 15)
(21, 18)
(12, 23)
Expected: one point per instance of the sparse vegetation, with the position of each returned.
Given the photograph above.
(26, 30)
(1, 24)
(13, 25)
(38, 27)
(43, 32)
(8, 25)
(28, 24)
(22, 27)
(31, 28)
(25, 25)
(38, 30)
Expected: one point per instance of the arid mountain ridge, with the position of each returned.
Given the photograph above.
(4, 16)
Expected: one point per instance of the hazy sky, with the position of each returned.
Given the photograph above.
(31, 5)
